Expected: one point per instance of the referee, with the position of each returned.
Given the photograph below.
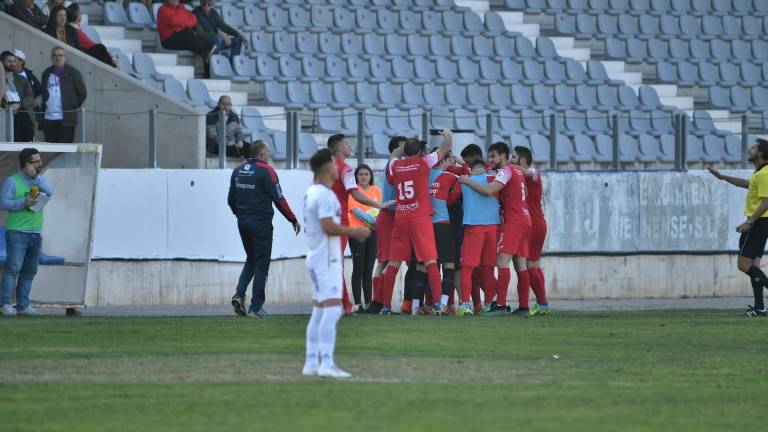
(754, 230)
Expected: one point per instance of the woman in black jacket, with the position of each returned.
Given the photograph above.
(57, 27)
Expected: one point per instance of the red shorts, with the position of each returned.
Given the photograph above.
(538, 234)
(479, 247)
(384, 222)
(514, 240)
(413, 235)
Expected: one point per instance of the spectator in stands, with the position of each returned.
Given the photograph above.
(2, 85)
(177, 28)
(19, 98)
(28, 12)
(253, 189)
(213, 28)
(5, 6)
(57, 27)
(23, 242)
(37, 86)
(64, 94)
(363, 252)
(87, 45)
(234, 129)
(50, 4)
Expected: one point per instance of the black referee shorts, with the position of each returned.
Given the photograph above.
(752, 242)
(446, 243)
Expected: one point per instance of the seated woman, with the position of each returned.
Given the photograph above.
(87, 45)
(57, 27)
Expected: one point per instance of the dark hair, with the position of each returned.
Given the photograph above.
(364, 166)
(477, 162)
(320, 159)
(762, 147)
(73, 11)
(5, 55)
(499, 147)
(412, 147)
(334, 141)
(525, 153)
(253, 149)
(395, 142)
(52, 17)
(471, 151)
(25, 154)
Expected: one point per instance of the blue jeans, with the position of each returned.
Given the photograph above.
(257, 242)
(22, 252)
(234, 48)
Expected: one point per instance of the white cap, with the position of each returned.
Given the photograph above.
(20, 54)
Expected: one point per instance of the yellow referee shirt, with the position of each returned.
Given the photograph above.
(758, 189)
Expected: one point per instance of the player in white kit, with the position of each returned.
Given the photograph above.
(322, 225)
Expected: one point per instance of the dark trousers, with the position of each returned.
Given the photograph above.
(190, 41)
(99, 52)
(23, 128)
(56, 132)
(257, 242)
(363, 259)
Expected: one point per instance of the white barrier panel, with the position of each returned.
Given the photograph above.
(183, 214)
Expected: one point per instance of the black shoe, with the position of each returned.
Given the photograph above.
(521, 312)
(239, 304)
(374, 308)
(754, 312)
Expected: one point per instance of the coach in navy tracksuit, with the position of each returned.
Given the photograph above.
(253, 188)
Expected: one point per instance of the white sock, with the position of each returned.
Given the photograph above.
(331, 316)
(444, 299)
(415, 304)
(313, 336)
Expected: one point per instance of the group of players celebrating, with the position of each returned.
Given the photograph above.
(461, 214)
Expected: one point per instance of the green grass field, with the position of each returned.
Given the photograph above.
(674, 370)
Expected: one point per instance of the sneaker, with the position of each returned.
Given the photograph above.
(437, 310)
(754, 312)
(496, 310)
(374, 308)
(239, 304)
(310, 369)
(8, 310)
(385, 311)
(464, 311)
(29, 311)
(332, 372)
(523, 312)
(539, 309)
(261, 313)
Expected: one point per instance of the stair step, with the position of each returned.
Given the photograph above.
(511, 18)
(162, 59)
(273, 117)
(475, 5)
(614, 66)
(217, 85)
(528, 30)
(178, 72)
(627, 77)
(561, 42)
(580, 54)
(683, 103)
(125, 45)
(110, 32)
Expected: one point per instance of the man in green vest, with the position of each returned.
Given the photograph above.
(19, 195)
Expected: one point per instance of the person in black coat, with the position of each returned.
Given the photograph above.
(57, 27)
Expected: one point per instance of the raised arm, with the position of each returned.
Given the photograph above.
(487, 189)
(742, 183)
(446, 146)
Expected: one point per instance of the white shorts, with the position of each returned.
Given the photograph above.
(327, 282)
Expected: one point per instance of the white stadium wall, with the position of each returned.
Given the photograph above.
(168, 237)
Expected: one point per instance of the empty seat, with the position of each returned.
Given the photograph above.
(583, 148)
(343, 20)
(343, 94)
(649, 100)
(703, 125)
(597, 74)
(198, 93)
(145, 67)
(138, 15)
(351, 45)
(545, 47)
(175, 89)
(221, 68)
(461, 46)
(114, 14)
(380, 70)
(123, 62)
(254, 18)
(307, 43)
(713, 148)
(322, 93)
(290, 70)
(335, 69)
(387, 21)
(650, 150)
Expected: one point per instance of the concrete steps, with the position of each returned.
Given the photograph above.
(479, 6)
(178, 72)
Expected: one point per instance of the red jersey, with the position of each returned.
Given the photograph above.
(533, 189)
(410, 179)
(514, 208)
(341, 187)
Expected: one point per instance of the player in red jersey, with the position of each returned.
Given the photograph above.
(515, 229)
(344, 186)
(523, 158)
(412, 231)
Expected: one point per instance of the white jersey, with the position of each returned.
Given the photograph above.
(320, 202)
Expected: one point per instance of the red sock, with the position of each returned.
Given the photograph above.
(476, 280)
(377, 290)
(435, 283)
(388, 285)
(537, 285)
(466, 283)
(502, 286)
(523, 288)
(489, 283)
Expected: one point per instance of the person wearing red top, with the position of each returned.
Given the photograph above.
(523, 158)
(412, 231)
(515, 229)
(176, 26)
(86, 44)
(344, 186)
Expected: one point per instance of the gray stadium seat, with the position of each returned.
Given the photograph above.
(524, 48)
(398, 123)
(306, 43)
(500, 95)
(252, 120)
(714, 148)
(380, 70)
(254, 18)
(290, 69)
(509, 121)
(373, 45)
(604, 148)
(396, 45)
(566, 96)
(322, 93)
(439, 47)
(432, 22)
(522, 97)
(583, 149)
(575, 73)
(261, 43)
(597, 74)
(113, 14)
(357, 69)
(351, 45)
(173, 88)
(221, 68)
(123, 62)
(298, 95)
(244, 66)
(494, 25)
(387, 21)
(662, 122)
(629, 149)
(139, 15)
(503, 47)
(532, 121)
(279, 145)
(545, 47)
(198, 93)
(650, 150)
(343, 20)
(490, 72)
(410, 22)
(461, 46)
(733, 148)
(417, 45)
(587, 97)
(329, 121)
(434, 96)
(597, 123)
(667, 148)
(343, 94)
(452, 22)
(473, 25)
(402, 70)
(321, 17)
(539, 145)
(335, 69)
(512, 71)
(554, 72)
(424, 71)
(533, 72)
(649, 100)
(478, 95)
(375, 121)
(366, 21)
(329, 44)
(703, 125)
(741, 99)
(694, 149)
(145, 67)
(574, 123)
(469, 71)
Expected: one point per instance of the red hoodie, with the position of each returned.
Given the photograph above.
(171, 20)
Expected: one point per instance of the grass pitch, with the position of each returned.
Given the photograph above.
(671, 370)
